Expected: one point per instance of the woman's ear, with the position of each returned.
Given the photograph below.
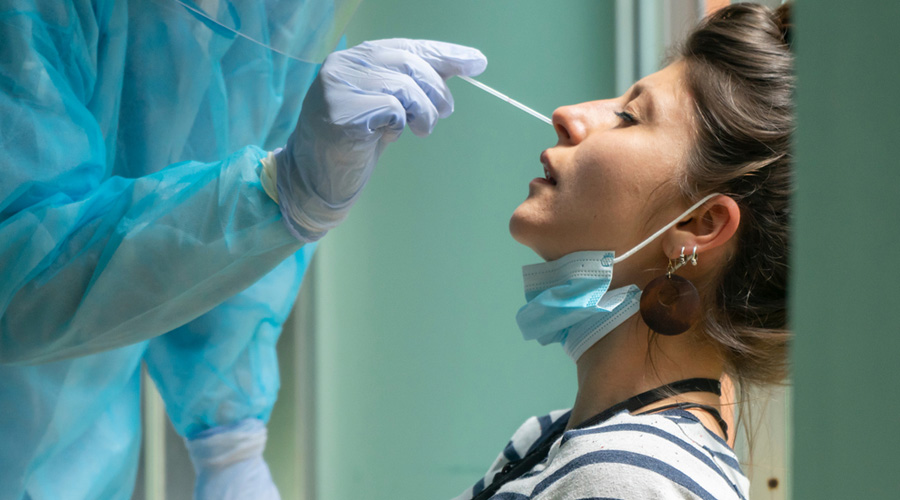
(708, 227)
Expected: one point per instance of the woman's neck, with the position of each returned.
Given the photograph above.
(627, 362)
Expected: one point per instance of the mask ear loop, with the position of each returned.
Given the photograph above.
(665, 228)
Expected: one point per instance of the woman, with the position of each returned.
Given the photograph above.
(703, 143)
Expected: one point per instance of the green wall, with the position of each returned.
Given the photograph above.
(846, 267)
(421, 373)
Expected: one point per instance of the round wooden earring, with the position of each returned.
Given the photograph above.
(670, 304)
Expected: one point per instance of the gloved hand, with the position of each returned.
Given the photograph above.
(229, 463)
(360, 102)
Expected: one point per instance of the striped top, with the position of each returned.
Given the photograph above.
(655, 456)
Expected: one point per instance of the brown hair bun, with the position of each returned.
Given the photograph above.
(785, 21)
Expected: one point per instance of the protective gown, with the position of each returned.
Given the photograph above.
(133, 225)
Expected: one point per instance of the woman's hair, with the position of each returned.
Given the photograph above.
(740, 73)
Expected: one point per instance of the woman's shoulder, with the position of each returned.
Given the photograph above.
(534, 431)
(668, 452)
(665, 455)
(529, 435)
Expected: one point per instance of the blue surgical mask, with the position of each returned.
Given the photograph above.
(569, 300)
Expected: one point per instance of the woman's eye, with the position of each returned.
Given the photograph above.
(626, 117)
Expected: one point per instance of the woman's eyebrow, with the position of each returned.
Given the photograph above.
(649, 107)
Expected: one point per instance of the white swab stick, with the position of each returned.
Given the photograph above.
(507, 99)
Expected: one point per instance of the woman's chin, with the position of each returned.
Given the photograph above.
(526, 232)
(519, 227)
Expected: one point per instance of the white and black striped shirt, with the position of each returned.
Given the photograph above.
(629, 457)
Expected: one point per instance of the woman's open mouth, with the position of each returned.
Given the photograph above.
(549, 178)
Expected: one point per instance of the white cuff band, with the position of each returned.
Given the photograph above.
(269, 175)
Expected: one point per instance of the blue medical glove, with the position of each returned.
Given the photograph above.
(361, 100)
(229, 463)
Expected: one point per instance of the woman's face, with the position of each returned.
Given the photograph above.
(612, 172)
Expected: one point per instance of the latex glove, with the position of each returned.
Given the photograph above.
(229, 463)
(361, 100)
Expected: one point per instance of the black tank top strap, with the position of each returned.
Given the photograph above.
(686, 406)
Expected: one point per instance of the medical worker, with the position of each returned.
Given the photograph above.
(148, 214)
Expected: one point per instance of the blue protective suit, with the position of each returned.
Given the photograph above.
(133, 227)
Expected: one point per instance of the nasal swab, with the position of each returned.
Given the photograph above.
(507, 99)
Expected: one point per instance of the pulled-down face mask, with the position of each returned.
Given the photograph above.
(569, 300)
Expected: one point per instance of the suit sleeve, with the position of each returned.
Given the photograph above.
(89, 262)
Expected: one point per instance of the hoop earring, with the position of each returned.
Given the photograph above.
(670, 304)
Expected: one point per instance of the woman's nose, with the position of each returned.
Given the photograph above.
(567, 120)
(574, 122)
